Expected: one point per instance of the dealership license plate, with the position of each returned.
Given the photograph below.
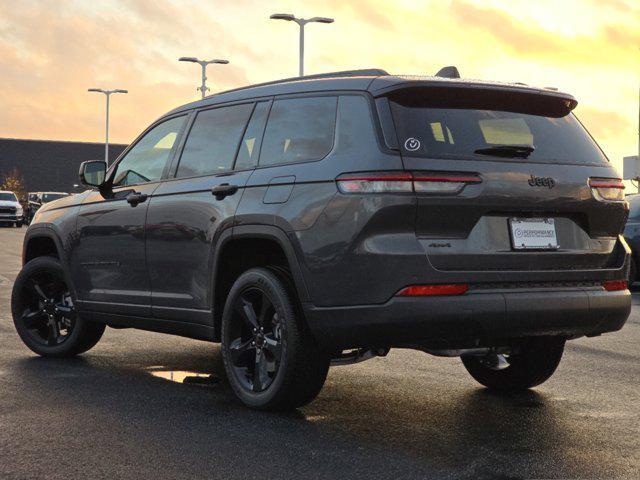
(533, 234)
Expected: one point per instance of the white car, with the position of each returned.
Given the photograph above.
(10, 209)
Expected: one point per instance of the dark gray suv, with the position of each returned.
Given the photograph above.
(326, 219)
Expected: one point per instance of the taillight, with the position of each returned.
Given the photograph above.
(607, 189)
(394, 182)
(431, 290)
(375, 183)
(615, 285)
(442, 183)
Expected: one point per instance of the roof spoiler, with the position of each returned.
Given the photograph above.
(448, 72)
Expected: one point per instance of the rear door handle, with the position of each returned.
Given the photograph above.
(134, 198)
(223, 190)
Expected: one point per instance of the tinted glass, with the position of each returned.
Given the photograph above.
(8, 197)
(250, 146)
(299, 130)
(213, 141)
(634, 207)
(428, 127)
(147, 159)
(49, 197)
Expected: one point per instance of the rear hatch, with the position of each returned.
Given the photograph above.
(507, 180)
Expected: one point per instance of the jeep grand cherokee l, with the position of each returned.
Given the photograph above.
(326, 219)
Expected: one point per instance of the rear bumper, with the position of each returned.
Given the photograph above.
(476, 318)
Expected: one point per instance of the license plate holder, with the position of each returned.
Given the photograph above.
(533, 234)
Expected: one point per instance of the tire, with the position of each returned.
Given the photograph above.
(535, 361)
(289, 370)
(44, 315)
(18, 224)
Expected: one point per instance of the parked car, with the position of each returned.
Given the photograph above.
(10, 209)
(632, 235)
(37, 199)
(324, 220)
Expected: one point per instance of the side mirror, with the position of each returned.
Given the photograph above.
(92, 173)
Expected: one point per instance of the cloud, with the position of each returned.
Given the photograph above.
(51, 51)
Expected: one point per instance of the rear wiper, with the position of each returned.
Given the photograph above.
(519, 151)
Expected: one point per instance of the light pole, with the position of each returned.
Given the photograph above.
(203, 64)
(107, 93)
(301, 23)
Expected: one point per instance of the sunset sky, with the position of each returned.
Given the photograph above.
(51, 51)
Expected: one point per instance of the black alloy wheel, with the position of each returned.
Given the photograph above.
(255, 334)
(271, 359)
(48, 315)
(44, 311)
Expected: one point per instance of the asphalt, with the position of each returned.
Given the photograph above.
(123, 410)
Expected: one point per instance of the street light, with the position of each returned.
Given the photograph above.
(203, 64)
(107, 94)
(301, 23)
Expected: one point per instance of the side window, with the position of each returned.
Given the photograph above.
(147, 159)
(213, 140)
(250, 146)
(634, 207)
(299, 129)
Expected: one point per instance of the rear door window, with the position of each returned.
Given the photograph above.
(250, 146)
(480, 124)
(213, 141)
(299, 130)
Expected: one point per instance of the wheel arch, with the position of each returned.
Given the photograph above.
(259, 246)
(41, 241)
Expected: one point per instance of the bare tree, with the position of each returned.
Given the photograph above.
(14, 182)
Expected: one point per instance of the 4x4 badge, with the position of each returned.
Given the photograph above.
(542, 181)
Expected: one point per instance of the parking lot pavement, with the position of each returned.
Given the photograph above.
(115, 412)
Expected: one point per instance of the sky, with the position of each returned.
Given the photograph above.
(51, 51)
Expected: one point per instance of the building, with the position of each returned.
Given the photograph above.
(49, 165)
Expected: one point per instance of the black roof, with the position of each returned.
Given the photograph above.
(375, 81)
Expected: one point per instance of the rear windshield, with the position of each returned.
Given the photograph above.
(49, 197)
(480, 124)
(8, 197)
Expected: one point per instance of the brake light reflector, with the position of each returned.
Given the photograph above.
(607, 189)
(615, 285)
(431, 290)
(378, 183)
(404, 182)
(442, 183)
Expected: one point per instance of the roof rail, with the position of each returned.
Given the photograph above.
(366, 72)
(448, 72)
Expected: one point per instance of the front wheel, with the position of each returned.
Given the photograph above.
(44, 313)
(271, 360)
(531, 363)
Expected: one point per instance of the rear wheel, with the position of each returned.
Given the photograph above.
(531, 363)
(44, 312)
(271, 360)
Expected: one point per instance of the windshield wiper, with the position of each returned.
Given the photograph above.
(517, 151)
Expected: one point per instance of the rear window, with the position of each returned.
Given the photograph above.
(477, 124)
(49, 197)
